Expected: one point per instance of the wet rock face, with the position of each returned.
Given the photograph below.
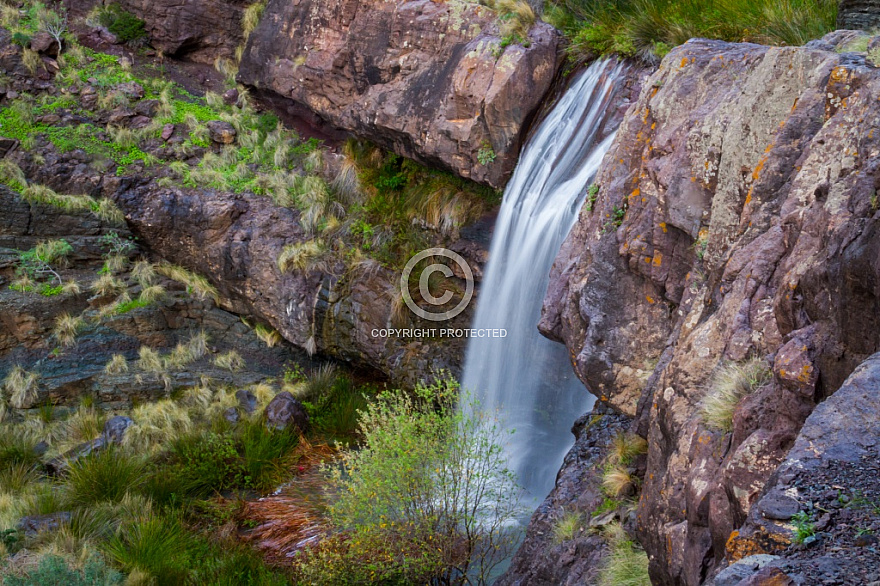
(199, 31)
(736, 217)
(424, 79)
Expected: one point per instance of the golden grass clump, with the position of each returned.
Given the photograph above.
(144, 273)
(625, 447)
(70, 287)
(251, 18)
(731, 383)
(116, 365)
(304, 256)
(156, 424)
(150, 361)
(107, 284)
(152, 294)
(267, 335)
(195, 284)
(231, 361)
(67, 327)
(12, 175)
(188, 352)
(618, 481)
(20, 387)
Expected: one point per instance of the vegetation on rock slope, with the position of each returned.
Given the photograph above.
(650, 28)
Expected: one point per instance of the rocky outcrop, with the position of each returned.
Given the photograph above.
(199, 30)
(858, 14)
(428, 80)
(545, 560)
(829, 478)
(737, 216)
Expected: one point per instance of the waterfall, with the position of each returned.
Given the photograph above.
(525, 378)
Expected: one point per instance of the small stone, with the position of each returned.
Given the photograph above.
(115, 428)
(231, 415)
(131, 90)
(120, 116)
(147, 107)
(221, 132)
(139, 122)
(49, 119)
(246, 400)
(779, 507)
(42, 42)
(12, 94)
(33, 525)
(167, 131)
(866, 540)
(230, 96)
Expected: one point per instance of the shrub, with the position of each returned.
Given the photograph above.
(126, 26)
(53, 569)
(335, 411)
(106, 475)
(17, 447)
(731, 383)
(427, 473)
(204, 463)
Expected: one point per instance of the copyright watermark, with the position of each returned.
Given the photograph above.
(437, 303)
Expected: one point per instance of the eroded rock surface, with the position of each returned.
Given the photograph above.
(428, 80)
(737, 216)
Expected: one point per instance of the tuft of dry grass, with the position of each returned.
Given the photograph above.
(617, 480)
(188, 352)
(731, 383)
(107, 284)
(195, 284)
(251, 18)
(70, 287)
(144, 273)
(20, 387)
(150, 361)
(626, 564)
(231, 361)
(152, 294)
(625, 447)
(268, 336)
(67, 327)
(304, 256)
(156, 424)
(568, 527)
(116, 365)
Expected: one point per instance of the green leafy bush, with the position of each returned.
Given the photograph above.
(53, 569)
(428, 495)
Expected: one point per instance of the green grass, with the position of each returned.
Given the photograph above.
(106, 475)
(626, 563)
(568, 527)
(650, 28)
(731, 383)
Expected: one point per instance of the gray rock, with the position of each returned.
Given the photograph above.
(231, 415)
(60, 465)
(115, 428)
(742, 569)
(33, 525)
(167, 131)
(284, 410)
(230, 97)
(246, 400)
(779, 507)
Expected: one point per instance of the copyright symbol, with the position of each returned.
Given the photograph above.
(424, 289)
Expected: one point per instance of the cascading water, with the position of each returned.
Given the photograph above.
(524, 377)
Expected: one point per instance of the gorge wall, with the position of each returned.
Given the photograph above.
(736, 217)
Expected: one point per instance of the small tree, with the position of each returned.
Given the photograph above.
(55, 23)
(38, 262)
(428, 497)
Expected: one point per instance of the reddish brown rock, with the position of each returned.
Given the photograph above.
(751, 228)
(199, 30)
(425, 79)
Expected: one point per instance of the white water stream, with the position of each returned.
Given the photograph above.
(527, 379)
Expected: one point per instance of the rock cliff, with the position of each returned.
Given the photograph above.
(736, 218)
(428, 80)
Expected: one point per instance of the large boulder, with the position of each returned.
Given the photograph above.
(199, 30)
(748, 180)
(428, 80)
(285, 411)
